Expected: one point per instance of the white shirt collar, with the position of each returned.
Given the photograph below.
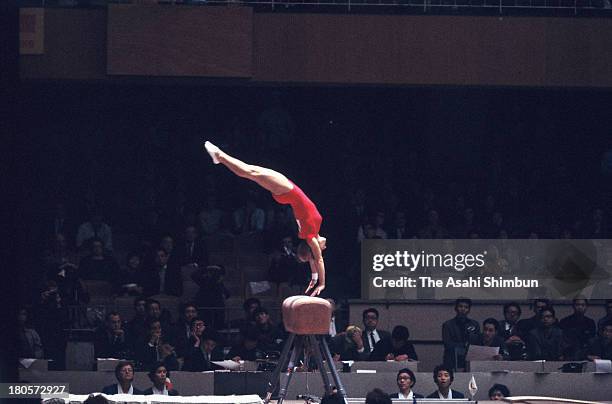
(120, 390)
(450, 394)
(163, 392)
(403, 397)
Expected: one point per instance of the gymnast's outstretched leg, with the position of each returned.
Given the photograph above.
(268, 179)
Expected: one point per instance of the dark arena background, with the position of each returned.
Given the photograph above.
(427, 119)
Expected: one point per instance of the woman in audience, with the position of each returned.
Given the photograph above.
(160, 377)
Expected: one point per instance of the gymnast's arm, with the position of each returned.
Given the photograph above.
(316, 264)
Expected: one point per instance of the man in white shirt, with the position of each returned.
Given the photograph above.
(405, 381)
(443, 378)
(95, 228)
(159, 376)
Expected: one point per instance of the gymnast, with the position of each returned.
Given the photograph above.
(286, 192)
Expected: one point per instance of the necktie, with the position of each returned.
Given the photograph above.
(372, 341)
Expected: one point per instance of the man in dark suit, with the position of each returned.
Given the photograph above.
(398, 347)
(110, 341)
(191, 250)
(443, 378)
(124, 372)
(457, 332)
(405, 382)
(371, 335)
(159, 377)
(163, 277)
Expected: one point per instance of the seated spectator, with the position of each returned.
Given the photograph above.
(508, 327)
(124, 372)
(249, 218)
(405, 382)
(443, 378)
(249, 349)
(498, 391)
(371, 333)
(159, 376)
(196, 359)
(30, 345)
(399, 229)
(210, 217)
(156, 312)
(456, 334)
(155, 348)
(98, 265)
(269, 335)
(545, 341)
(249, 306)
(212, 294)
(377, 396)
(578, 330)
(191, 250)
(96, 399)
(70, 286)
(433, 229)
(397, 347)
(337, 322)
(606, 318)
(601, 347)
(349, 345)
(51, 318)
(95, 228)
(525, 326)
(136, 327)
(129, 280)
(182, 329)
(110, 340)
(161, 277)
(373, 228)
(212, 350)
(489, 337)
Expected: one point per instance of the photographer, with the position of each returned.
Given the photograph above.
(212, 294)
(348, 345)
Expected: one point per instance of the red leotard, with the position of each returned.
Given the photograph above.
(304, 210)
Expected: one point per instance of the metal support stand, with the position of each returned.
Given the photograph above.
(294, 347)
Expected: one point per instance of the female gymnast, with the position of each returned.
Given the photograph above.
(286, 192)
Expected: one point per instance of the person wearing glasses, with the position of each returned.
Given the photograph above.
(124, 372)
(545, 341)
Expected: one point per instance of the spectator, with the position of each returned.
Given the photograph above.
(285, 269)
(192, 249)
(249, 218)
(377, 396)
(525, 326)
(405, 382)
(373, 228)
(433, 229)
(212, 294)
(545, 341)
(167, 243)
(212, 350)
(95, 228)
(96, 399)
(443, 378)
(606, 318)
(349, 345)
(249, 306)
(489, 337)
(69, 285)
(98, 265)
(498, 391)
(337, 321)
(399, 229)
(508, 327)
(182, 329)
(456, 334)
(210, 217)
(269, 336)
(372, 334)
(130, 280)
(30, 345)
(110, 340)
(249, 349)
(196, 359)
(136, 327)
(162, 278)
(578, 330)
(51, 317)
(397, 348)
(601, 347)
(159, 376)
(124, 372)
(156, 312)
(155, 348)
